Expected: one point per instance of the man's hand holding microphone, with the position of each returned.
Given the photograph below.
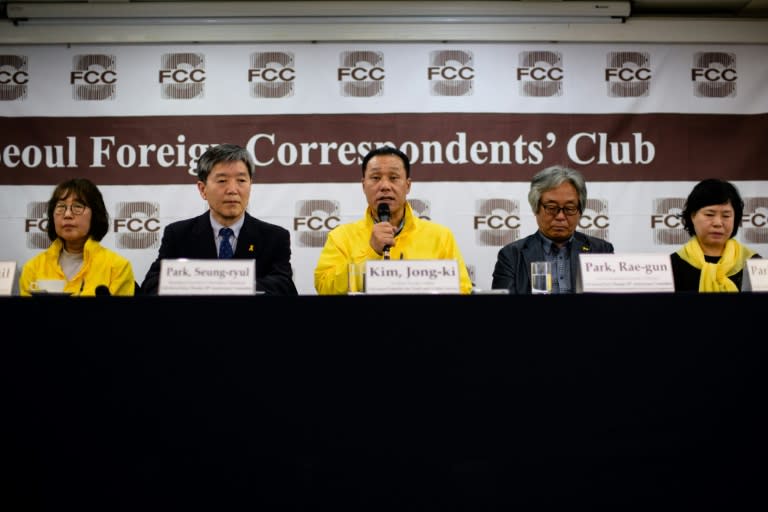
(383, 234)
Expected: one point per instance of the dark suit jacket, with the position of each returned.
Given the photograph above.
(268, 244)
(513, 263)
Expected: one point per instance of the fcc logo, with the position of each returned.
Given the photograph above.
(451, 73)
(540, 73)
(136, 225)
(182, 76)
(496, 222)
(421, 208)
(36, 225)
(595, 220)
(754, 222)
(14, 75)
(94, 77)
(272, 74)
(666, 223)
(714, 75)
(628, 74)
(361, 74)
(314, 219)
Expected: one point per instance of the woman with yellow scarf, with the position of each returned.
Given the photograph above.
(712, 260)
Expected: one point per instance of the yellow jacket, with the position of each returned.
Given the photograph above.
(419, 239)
(101, 266)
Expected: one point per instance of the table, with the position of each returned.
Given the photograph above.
(385, 402)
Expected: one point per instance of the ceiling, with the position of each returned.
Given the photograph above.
(661, 8)
(718, 8)
(164, 21)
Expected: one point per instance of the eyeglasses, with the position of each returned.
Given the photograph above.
(552, 210)
(75, 208)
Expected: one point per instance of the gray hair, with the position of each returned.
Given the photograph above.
(553, 177)
(223, 153)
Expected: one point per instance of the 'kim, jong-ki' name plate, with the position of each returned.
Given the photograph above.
(411, 276)
(207, 277)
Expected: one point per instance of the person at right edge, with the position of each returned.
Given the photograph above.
(557, 197)
(386, 181)
(712, 260)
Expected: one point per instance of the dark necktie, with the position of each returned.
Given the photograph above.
(557, 266)
(225, 249)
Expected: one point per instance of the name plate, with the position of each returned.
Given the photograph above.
(411, 276)
(756, 276)
(207, 277)
(620, 273)
(7, 275)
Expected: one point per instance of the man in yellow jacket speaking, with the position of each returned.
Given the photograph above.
(389, 228)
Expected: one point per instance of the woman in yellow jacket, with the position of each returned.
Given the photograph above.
(77, 221)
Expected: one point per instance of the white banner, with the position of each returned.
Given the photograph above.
(643, 122)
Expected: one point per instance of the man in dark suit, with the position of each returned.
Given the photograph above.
(557, 197)
(224, 175)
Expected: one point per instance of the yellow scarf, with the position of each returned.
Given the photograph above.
(714, 276)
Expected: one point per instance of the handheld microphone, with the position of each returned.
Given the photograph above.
(383, 212)
(102, 291)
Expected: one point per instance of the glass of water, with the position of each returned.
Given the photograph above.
(541, 277)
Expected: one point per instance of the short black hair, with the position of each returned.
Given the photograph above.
(388, 150)
(710, 192)
(85, 191)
